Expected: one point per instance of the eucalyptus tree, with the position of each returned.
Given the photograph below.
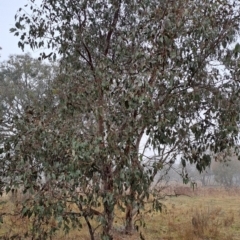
(23, 81)
(164, 69)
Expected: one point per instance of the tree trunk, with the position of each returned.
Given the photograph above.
(107, 227)
(129, 212)
(129, 219)
(108, 204)
(90, 230)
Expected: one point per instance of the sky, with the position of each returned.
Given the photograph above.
(9, 42)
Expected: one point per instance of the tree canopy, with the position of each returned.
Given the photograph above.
(166, 70)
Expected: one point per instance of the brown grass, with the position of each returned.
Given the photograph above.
(210, 213)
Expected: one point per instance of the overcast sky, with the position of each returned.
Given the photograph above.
(8, 42)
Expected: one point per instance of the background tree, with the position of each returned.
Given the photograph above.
(226, 171)
(128, 69)
(24, 83)
(205, 176)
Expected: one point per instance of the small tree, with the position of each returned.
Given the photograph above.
(128, 69)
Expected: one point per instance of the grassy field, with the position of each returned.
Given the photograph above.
(206, 214)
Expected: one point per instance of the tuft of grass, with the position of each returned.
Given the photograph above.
(207, 222)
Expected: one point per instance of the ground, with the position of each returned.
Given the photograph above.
(202, 214)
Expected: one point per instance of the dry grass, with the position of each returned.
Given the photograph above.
(206, 214)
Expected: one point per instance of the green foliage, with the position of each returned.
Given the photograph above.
(127, 68)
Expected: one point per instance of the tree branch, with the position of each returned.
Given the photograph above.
(112, 27)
